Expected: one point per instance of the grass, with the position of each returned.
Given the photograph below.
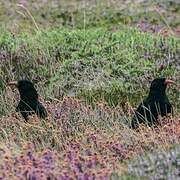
(80, 141)
(149, 166)
(113, 68)
(92, 68)
(80, 14)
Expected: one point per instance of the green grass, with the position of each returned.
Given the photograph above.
(96, 64)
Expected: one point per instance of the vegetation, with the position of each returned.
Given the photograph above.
(92, 62)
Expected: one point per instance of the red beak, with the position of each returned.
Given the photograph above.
(13, 83)
(168, 81)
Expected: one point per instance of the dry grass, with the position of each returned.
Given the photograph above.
(82, 141)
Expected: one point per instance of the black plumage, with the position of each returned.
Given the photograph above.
(157, 103)
(29, 103)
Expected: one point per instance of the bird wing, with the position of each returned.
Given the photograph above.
(41, 111)
(24, 109)
(145, 113)
(166, 108)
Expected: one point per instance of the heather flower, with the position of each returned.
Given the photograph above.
(23, 3)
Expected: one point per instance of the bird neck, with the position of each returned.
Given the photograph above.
(29, 96)
(157, 94)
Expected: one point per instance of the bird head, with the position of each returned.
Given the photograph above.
(159, 85)
(26, 89)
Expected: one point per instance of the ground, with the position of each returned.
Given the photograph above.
(92, 63)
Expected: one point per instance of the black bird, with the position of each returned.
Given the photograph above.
(29, 103)
(157, 103)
